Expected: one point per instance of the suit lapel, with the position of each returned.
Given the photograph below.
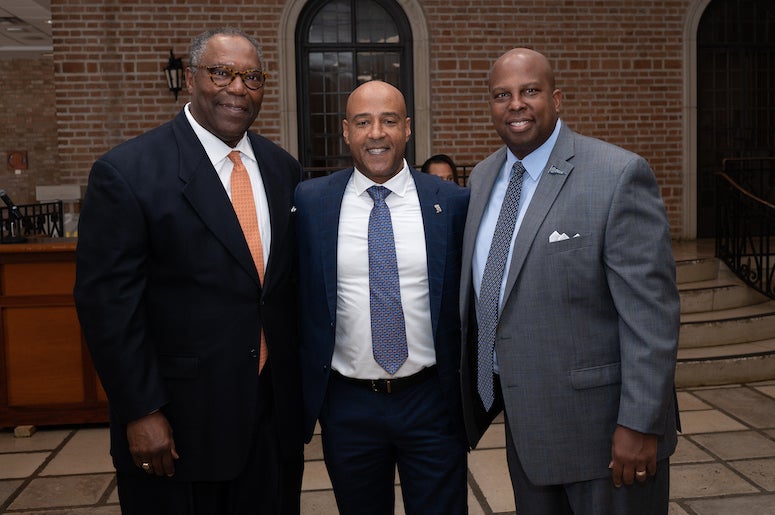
(204, 191)
(552, 180)
(435, 224)
(330, 207)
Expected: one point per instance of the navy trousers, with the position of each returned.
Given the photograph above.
(367, 435)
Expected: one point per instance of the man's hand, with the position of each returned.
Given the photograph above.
(151, 444)
(633, 456)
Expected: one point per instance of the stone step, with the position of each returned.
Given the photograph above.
(726, 364)
(726, 326)
(691, 270)
(726, 291)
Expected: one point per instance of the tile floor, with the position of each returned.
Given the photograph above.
(724, 465)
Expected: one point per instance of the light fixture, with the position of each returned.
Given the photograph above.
(174, 73)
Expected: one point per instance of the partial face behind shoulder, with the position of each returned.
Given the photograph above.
(226, 111)
(524, 104)
(377, 129)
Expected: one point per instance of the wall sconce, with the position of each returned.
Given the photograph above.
(174, 73)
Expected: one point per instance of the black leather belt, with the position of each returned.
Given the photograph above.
(389, 386)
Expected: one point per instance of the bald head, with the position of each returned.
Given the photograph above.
(524, 103)
(526, 58)
(377, 129)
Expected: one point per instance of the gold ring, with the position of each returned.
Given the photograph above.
(640, 473)
(146, 466)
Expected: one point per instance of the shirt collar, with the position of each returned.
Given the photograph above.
(216, 149)
(396, 184)
(536, 161)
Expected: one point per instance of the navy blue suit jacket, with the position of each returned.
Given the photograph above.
(318, 204)
(171, 305)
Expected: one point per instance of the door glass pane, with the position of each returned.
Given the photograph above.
(331, 78)
(384, 66)
(374, 25)
(332, 24)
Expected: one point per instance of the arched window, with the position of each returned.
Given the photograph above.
(341, 44)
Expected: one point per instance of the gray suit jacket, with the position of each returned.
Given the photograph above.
(588, 333)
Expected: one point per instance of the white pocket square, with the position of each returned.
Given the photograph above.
(555, 237)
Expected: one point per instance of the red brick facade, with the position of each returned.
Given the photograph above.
(619, 64)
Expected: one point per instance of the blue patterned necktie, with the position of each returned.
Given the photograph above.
(388, 329)
(489, 292)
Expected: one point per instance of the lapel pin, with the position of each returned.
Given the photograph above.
(555, 171)
(293, 209)
(437, 208)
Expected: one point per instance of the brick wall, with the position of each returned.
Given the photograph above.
(29, 123)
(619, 64)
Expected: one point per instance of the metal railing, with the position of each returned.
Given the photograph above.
(37, 220)
(745, 220)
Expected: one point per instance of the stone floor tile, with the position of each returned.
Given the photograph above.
(318, 503)
(315, 476)
(688, 452)
(88, 451)
(493, 438)
(767, 390)
(314, 449)
(750, 406)
(7, 488)
(20, 465)
(42, 440)
(113, 498)
(737, 445)
(689, 402)
(81, 510)
(708, 421)
(761, 472)
(491, 475)
(752, 505)
(704, 480)
(50, 492)
(675, 509)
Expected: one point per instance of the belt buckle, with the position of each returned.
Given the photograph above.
(375, 386)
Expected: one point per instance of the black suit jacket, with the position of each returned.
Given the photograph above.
(171, 305)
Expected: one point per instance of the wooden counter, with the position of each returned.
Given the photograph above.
(46, 374)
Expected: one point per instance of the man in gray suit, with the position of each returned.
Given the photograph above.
(569, 306)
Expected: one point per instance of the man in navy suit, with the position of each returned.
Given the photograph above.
(179, 312)
(375, 415)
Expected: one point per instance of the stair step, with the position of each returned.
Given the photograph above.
(724, 292)
(736, 325)
(699, 269)
(725, 364)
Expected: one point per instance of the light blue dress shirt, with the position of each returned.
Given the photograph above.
(534, 164)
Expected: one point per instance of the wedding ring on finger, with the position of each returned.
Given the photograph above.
(640, 473)
(146, 466)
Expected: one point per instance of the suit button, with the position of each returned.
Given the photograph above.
(253, 353)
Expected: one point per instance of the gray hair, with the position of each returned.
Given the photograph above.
(199, 43)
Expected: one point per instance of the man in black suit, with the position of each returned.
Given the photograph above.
(180, 307)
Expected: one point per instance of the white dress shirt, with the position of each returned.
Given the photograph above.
(218, 152)
(353, 350)
(534, 164)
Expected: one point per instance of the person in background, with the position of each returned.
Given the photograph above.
(379, 264)
(441, 165)
(570, 311)
(186, 292)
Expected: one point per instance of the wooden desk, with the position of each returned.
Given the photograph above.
(46, 374)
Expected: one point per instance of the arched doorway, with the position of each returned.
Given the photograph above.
(735, 92)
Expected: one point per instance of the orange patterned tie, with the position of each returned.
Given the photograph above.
(245, 207)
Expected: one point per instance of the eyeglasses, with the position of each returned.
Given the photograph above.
(222, 76)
